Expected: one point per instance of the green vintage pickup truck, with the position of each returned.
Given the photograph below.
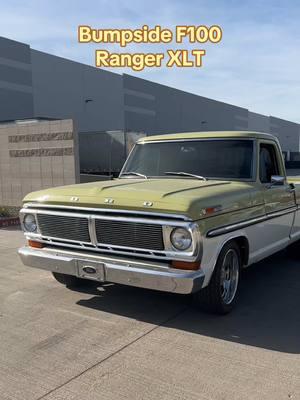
(186, 215)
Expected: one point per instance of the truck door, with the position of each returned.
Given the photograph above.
(278, 196)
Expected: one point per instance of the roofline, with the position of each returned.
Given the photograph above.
(208, 134)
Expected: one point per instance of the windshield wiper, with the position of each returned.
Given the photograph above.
(202, 178)
(134, 173)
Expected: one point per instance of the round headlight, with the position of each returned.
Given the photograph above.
(29, 222)
(181, 238)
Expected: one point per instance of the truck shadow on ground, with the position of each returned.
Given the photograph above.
(268, 314)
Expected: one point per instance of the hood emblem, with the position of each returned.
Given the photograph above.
(74, 199)
(148, 203)
(109, 201)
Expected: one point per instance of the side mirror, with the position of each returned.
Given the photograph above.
(277, 180)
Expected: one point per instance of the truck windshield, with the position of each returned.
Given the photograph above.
(224, 159)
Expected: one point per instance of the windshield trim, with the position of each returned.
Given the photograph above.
(253, 177)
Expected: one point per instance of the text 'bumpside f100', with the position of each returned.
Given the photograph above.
(186, 215)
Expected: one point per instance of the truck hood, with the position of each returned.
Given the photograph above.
(186, 197)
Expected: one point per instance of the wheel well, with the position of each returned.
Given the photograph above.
(243, 244)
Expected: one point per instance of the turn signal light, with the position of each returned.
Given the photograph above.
(186, 265)
(37, 245)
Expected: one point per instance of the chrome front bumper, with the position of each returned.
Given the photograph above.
(140, 273)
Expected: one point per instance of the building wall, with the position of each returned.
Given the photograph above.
(36, 84)
(258, 122)
(101, 152)
(105, 152)
(66, 89)
(16, 93)
(287, 132)
(35, 156)
(153, 108)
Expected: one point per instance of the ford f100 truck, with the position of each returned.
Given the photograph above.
(187, 213)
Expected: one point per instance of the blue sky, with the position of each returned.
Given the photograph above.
(256, 65)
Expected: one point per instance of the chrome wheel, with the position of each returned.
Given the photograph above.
(229, 276)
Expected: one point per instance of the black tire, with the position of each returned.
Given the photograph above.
(293, 250)
(69, 281)
(211, 297)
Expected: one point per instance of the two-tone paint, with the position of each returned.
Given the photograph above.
(262, 218)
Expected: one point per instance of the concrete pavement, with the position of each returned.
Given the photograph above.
(115, 342)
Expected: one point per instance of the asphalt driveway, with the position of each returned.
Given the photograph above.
(117, 342)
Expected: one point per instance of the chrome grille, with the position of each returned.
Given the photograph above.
(129, 234)
(64, 227)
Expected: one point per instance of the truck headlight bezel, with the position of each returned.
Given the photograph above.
(181, 239)
(30, 223)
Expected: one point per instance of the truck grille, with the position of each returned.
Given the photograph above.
(129, 234)
(64, 227)
(108, 232)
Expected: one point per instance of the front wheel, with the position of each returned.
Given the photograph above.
(220, 296)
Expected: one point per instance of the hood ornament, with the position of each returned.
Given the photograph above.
(74, 199)
(148, 204)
